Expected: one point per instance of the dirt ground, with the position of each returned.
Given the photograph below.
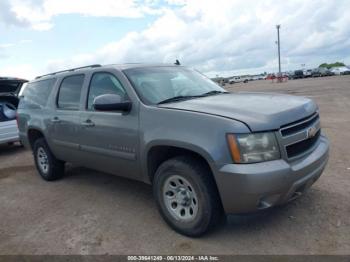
(92, 213)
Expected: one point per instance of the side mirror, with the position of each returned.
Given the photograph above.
(111, 102)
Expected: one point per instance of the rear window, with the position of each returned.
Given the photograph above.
(8, 86)
(35, 94)
(70, 91)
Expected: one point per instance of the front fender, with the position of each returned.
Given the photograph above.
(200, 133)
(173, 143)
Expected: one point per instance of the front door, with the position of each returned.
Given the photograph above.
(109, 140)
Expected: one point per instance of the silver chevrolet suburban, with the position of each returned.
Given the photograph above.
(205, 151)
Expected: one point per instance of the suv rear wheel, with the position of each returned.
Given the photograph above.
(186, 196)
(47, 165)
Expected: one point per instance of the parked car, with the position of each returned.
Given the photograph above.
(316, 72)
(295, 74)
(298, 74)
(321, 71)
(270, 77)
(325, 72)
(205, 151)
(259, 77)
(343, 70)
(238, 79)
(329, 73)
(9, 89)
(307, 73)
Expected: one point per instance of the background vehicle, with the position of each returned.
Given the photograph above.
(307, 73)
(154, 123)
(238, 79)
(270, 77)
(9, 89)
(329, 73)
(316, 72)
(298, 74)
(325, 72)
(341, 70)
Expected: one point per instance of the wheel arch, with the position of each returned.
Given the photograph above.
(33, 134)
(159, 152)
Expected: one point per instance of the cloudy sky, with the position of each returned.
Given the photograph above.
(222, 37)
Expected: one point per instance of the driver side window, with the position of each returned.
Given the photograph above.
(102, 84)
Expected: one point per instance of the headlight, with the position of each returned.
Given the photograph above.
(252, 148)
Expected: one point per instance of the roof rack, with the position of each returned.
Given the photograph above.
(70, 70)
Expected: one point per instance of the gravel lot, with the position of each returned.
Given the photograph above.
(92, 213)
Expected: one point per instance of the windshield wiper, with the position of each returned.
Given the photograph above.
(214, 92)
(176, 98)
(179, 98)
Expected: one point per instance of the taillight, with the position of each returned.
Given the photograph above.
(17, 119)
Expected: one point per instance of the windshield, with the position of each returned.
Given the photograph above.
(157, 84)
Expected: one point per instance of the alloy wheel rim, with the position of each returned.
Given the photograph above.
(180, 198)
(42, 160)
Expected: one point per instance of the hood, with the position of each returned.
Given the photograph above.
(259, 111)
(11, 86)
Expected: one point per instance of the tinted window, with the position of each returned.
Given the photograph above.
(104, 83)
(70, 91)
(35, 94)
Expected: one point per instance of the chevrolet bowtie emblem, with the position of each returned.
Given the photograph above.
(311, 132)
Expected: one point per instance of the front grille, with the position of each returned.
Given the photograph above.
(302, 146)
(299, 125)
(299, 137)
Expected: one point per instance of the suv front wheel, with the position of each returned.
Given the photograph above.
(47, 165)
(186, 196)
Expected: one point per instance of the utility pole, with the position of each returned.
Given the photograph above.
(279, 49)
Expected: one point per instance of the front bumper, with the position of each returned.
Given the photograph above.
(251, 187)
(8, 132)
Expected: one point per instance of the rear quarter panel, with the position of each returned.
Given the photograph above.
(37, 118)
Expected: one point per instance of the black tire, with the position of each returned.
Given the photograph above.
(55, 167)
(209, 211)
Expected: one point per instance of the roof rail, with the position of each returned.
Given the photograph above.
(70, 70)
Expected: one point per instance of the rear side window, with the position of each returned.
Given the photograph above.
(70, 92)
(35, 94)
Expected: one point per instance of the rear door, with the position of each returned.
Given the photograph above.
(109, 140)
(64, 124)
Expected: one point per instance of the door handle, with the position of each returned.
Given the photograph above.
(88, 123)
(55, 120)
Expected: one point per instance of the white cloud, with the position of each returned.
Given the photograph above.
(7, 45)
(25, 41)
(221, 36)
(225, 36)
(38, 14)
(26, 71)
